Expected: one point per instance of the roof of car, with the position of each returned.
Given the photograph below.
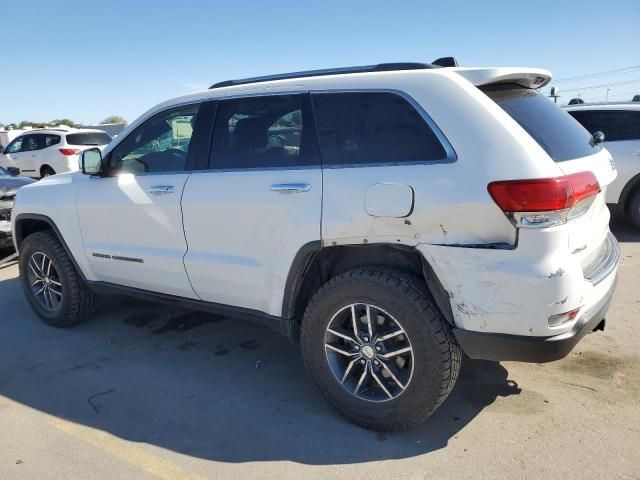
(604, 106)
(57, 130)
(372, 78)
(525, 76)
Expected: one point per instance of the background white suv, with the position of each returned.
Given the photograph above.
(620, 123)
(388, 217)
(39, 153)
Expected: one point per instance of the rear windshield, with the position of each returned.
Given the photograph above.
(89, 138)
(554, 129)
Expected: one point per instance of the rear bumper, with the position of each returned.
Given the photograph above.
(499, 347)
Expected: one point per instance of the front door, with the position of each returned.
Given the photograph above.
(131, 220)
(14, 153)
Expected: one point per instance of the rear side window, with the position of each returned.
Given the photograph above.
(357, 128)
(554, 129)
(50, 140)
(261, 132)
(616, 125)
(89, 138)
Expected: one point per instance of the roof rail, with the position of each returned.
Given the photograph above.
(380, 67)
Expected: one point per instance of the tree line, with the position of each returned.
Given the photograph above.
(61, 121)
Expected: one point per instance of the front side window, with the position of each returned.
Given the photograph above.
(160, 144)
(617, 125)
(260, 132)
(15, 146)
(372, 127)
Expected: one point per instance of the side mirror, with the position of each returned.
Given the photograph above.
(13, 171)
(597, 138)
(91, 161)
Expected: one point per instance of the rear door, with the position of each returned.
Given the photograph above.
(247, 217)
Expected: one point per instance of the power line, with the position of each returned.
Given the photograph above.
(599, 74)
(604, 85)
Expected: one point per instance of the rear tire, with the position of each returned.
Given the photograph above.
(397, 302)
(53, 287)
(46, 171)
(634, 209)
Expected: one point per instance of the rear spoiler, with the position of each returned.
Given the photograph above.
(525, 77)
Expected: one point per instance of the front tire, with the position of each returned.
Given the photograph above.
(379, 349)
(51, 283)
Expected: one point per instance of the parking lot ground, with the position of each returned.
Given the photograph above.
(149, 391)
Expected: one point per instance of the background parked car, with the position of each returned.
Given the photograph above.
(9, 185)
(620, 123)
(43, 152)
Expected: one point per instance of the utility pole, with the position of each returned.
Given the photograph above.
(607, 97)
(554, 94)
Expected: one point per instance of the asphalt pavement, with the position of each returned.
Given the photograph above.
(150, 391)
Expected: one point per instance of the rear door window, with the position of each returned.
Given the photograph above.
(551, 127)
(362, 128)
(616, 125)
(262, 132)
(50, 140)
(89, 138)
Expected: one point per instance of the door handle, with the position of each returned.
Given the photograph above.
(161, 189)
(290, 187)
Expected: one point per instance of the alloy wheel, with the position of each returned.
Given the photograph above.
(45, 281)
(369, 353)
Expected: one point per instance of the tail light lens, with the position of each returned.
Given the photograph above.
(544, 202)
(69, 151)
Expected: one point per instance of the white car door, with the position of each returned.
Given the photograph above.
(13, 154)
(131, 220)
(248, 216)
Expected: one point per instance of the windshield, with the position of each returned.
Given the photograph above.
(554, 129)
(89, 138)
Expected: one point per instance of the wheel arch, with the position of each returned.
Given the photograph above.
(314, 265)
(627, 193)
(28, 223)
(45, 166)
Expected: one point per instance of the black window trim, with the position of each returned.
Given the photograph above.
(189, 167)
(309, 124)
(451, 155)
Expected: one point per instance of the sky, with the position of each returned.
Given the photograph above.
(86, 60)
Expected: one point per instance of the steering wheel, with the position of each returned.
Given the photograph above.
(177, 152)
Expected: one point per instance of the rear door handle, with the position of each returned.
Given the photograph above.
(161, 189)
(290, 187)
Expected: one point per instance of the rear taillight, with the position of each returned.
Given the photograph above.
(69, 151)
(544, 202)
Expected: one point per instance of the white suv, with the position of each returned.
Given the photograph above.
(620, 124)
(42, 152)
(388, 217)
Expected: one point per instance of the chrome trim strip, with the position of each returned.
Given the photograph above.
(605, 262)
